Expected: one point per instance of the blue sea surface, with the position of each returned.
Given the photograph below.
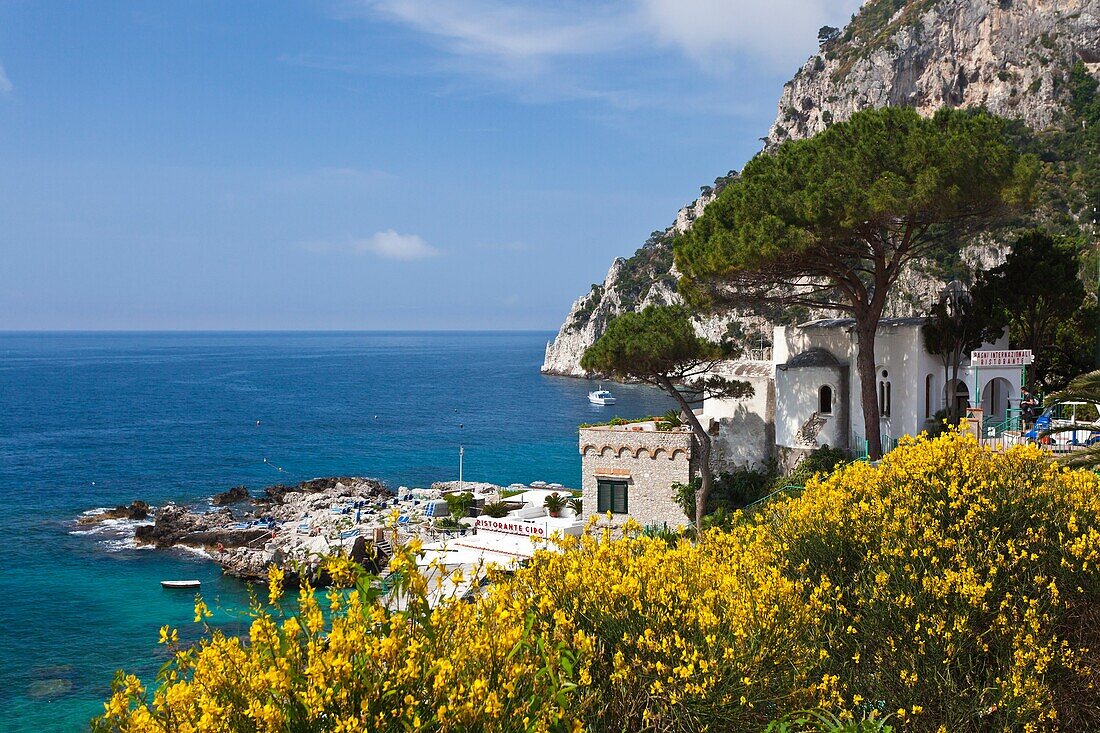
(98, 419)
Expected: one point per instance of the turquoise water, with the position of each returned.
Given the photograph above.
(91, 420)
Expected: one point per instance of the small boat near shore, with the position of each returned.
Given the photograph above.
(180, 583)
(601, 396)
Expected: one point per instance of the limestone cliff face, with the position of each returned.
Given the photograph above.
(1012, 56)
(647, 278)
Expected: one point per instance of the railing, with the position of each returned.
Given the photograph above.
(857, 444)
(788, 489)
(994, 428)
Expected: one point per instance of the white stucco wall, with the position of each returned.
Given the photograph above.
(900, 352)
(798, 390)
(746, 427)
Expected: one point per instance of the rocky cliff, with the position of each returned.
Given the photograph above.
(1010, 56)
(647, 278)
(1015, 57)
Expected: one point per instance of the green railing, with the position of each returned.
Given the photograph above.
(995, 428)
(858, 446)
(788, 489)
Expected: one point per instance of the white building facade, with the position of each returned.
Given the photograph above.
(817, 385)
(807, 396)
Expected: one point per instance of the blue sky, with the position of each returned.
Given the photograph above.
(363, 164)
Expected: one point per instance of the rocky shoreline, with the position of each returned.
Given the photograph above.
(294, 526)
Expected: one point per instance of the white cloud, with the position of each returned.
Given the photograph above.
(5, 83)
(780, 33)
(390, 245)
(685, 56)
(777, 32)
(509, 30)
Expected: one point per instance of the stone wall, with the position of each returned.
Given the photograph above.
(650, 462)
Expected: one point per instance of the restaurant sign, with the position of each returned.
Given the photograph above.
(527, 529)
(1019, 357)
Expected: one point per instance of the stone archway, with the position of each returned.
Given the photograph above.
(996, 399)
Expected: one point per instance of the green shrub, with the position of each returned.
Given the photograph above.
(495, 509)
(459, 504)
(730, 491)
(820, 721)
(823, 460)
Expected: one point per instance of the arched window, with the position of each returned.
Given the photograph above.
(825, 400)
(884, 395)
(928, 396)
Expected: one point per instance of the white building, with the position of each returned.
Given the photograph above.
(817, 389)
(806, 396)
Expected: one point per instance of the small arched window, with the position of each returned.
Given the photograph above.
(825, 400)
(928, 396)
(884, 397)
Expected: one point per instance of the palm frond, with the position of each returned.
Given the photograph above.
(1084, 388)
(1086, 458)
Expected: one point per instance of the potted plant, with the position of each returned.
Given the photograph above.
(554, 503)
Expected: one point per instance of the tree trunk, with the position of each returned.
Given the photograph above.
(948, 396)
(705, 477)
(955, 365)
(868, 396)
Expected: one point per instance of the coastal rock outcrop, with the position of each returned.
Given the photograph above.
(277, 493)
(136, 511)
(288, 525)
(1012, 56)
(234, 496)
(178, 525)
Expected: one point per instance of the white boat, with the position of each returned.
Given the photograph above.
(601, 397)
(180, 583)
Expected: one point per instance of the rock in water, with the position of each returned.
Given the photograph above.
(49, 689)
(234, 496)
(137, 511)
(277, 494)
(52, 671)
(176, 525)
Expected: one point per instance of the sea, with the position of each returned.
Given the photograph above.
(91, 420)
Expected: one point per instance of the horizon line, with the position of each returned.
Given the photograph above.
(19, 331)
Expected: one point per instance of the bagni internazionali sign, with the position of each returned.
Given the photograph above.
(520, 528)
(1019, 357)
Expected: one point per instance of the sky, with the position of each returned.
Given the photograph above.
(363, 164)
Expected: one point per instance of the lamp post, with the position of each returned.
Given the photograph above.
(461, 485)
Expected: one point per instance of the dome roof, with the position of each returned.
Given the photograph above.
(813, 358)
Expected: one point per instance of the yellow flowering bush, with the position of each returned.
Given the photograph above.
(352, 665)
(957, 579)
(950, 588)
(707, 633)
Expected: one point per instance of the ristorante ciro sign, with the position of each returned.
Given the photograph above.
(520, 528)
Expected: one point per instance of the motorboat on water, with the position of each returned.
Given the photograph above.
(601, 397)
(180, 583)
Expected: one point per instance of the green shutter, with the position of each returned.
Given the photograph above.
(618, 498)
(603, 496)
